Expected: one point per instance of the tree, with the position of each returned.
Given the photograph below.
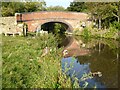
(116, 10)
(55, 8)
(101, 11)
(77, 6)
(34, 6)
(10, 8)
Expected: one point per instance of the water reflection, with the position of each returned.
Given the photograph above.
(103, 57)
(77, 70)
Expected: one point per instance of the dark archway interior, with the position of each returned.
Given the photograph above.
(56, 27)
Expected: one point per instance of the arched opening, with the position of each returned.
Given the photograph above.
(58, 28)
(55, 27)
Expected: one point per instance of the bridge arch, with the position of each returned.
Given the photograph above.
(68, 27)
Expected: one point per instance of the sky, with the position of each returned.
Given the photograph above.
(64, 3)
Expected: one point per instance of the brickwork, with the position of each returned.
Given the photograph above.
(36, 19)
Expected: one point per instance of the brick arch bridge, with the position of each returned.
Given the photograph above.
(36, 19)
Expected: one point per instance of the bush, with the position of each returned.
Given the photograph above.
(86, 33)
(116, 25)
(111, 33)
(23, 66)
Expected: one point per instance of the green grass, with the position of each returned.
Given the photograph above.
(23, 66)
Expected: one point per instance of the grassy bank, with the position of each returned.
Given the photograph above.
(111, 33)
(23, 66)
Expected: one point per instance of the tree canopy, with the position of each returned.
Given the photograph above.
(104, 12)
(55, 8)
(10, 8)
(77, 6)
(101, 12)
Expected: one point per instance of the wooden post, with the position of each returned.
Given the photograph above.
(99, 47)
(24, 30)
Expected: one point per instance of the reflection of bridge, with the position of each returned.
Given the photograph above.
(74, 48)
(34, 20)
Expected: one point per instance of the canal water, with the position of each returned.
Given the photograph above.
(96, 69)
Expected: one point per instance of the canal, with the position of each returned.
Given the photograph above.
(94, 62)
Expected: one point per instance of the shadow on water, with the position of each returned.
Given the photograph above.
(103, 58)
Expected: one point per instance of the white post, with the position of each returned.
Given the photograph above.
(5, 34)
(13, 35)
(38, 30)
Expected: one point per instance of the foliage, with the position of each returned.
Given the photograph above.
(116, 8)
(86, 32)
(59, 31)
(77, 6)
(116, 25)
(59, 28)
(111, 33)
(23, 66)
(10, 8)
(34, 6)
(55, 8)
(104, 11)
(54, 27)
